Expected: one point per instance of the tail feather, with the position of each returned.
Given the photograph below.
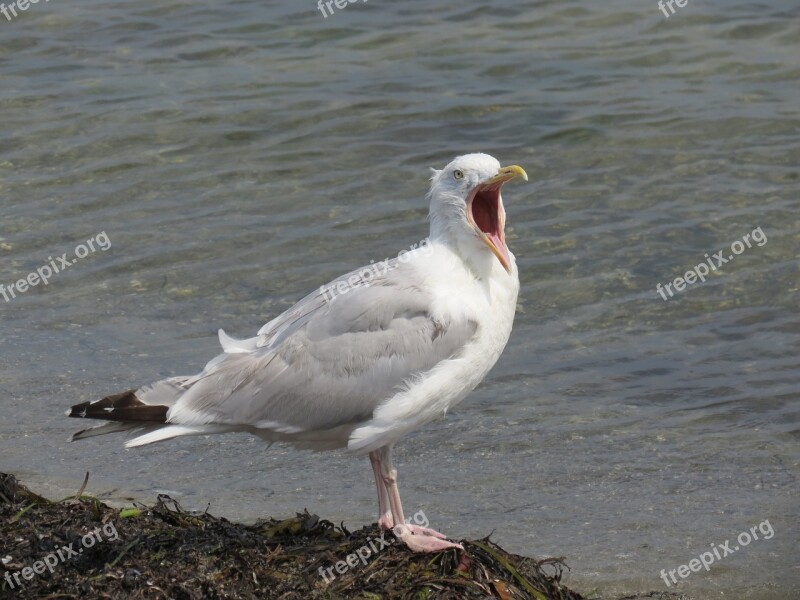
(143, 410)
(159, 434)
(125, 406)
(113, 427)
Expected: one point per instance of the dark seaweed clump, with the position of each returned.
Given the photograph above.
(163, 551)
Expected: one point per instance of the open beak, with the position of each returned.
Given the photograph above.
(486, 214)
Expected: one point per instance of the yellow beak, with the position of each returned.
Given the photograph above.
(506, 174)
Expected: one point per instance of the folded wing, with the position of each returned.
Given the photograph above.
(324, 364)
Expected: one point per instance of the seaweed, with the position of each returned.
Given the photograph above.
(164, 551)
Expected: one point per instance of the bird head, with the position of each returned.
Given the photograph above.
(467, 208)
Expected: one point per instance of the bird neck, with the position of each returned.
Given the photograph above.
(463, 243)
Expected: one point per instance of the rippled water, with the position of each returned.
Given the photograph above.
(239, 155)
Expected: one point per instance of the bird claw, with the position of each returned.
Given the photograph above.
(417, 530)
(423, 542)
(386, 522)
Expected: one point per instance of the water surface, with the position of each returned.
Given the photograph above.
(240, 154)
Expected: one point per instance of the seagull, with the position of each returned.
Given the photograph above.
(365, 359)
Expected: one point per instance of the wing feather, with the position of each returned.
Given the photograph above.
(326, 363)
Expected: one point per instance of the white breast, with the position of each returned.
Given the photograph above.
(490, 303)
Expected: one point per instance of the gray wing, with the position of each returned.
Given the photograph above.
(326, 363)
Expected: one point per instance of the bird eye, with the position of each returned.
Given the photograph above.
(458, 174)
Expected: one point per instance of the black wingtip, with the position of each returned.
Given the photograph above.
(79, 410)
(120, 407)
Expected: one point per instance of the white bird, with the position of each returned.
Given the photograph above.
(367, 358)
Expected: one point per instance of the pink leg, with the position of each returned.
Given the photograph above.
(385, 520)
(418, 539)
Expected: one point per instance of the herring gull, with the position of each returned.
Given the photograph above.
(394, 350)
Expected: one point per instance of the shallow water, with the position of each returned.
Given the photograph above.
(237, 156)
